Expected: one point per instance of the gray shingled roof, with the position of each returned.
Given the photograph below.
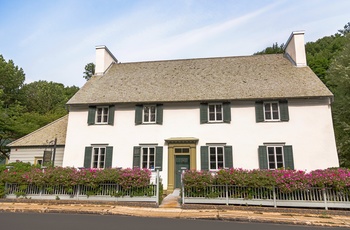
(42, 137)
(208, 79)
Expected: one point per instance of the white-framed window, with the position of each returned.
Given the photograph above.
(275, 157)
(102, 115)
(38, 161)
(148, 154)
(149, 114)
(216, 157)
(215, 112)
(98, 159)
(271, 111)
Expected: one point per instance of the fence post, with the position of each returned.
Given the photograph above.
(274, 197)
(6, 192)
(226, 193)
(325, 198)
(78, 191)
(157, 187)
(183, 184)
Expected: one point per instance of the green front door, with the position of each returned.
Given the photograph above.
(181, 161)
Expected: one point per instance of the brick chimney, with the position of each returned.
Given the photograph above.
(294, 49)
(104, 58)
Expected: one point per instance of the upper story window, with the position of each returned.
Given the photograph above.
(274, 156)
(149, 114)
(271, 111)
(101, 115)
(215, 112)
(266, 111)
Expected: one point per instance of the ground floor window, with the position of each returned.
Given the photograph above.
(98, 158)
(148, 157)
(275, 157)
(216, 157)
(38, 161)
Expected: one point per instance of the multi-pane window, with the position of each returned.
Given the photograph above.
(271, 111)
(215, 112)
(101, 115)
(275, 157)
(98, 157)
(216, 157)
(149, 114)
(147, 157)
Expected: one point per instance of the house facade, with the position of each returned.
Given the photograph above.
(262, 111)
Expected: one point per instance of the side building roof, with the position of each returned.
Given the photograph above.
(42, 137)
(206, 79)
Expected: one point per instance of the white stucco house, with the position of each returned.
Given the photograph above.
(261, 111)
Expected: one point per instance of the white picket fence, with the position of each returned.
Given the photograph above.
(232, 194)
(104, 192)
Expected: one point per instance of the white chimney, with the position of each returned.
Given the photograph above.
(104, 58)
(295, 49)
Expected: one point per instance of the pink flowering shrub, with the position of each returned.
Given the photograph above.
(69, 177)
(285, 180)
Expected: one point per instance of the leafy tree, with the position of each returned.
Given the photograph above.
(346, 29)
(338, 79)
(45, 97)
(89, 71)
(11, 80)
(274, 49)
(319, 54)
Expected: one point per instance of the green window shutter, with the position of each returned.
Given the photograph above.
(138, 114)
(228, 157)
(227, 112)
(91, 115)
(137, 157)
(262, 157)
(111, 110)
(259, 111)
(87, 157)
(109, 156)
(204, 158)
(159, 157)
(288, 157)
(284, 110)
(203, 113)
(159, 114)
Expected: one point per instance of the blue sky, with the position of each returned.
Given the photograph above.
(54, 40)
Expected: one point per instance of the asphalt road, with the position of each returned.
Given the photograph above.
(50, 221)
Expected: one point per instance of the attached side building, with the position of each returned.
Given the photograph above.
(31, 147)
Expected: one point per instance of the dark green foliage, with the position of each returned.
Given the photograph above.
(11, 80)
(89, 71)
(274, 49)
(338, 80)
(46, 97)
(319, 54)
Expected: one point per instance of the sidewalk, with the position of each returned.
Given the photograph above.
(229, 213)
